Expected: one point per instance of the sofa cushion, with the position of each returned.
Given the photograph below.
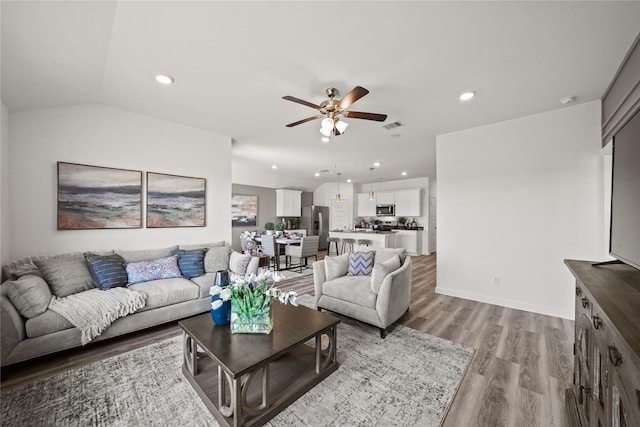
(238, 262)
(336, 266)
(385, 254)
(66, 275)
(353, 289)
(46, 323)
(107, 271)
(30, 295)
(202, 245)
(381, 270)
(205, 282)
(217, 258)
(191, 262)
(161, 293)
(146, 254)
(360, 263)
(161, 268)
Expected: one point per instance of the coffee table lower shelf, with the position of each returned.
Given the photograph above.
(271, 387)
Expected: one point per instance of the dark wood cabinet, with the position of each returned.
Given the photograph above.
(606, 376)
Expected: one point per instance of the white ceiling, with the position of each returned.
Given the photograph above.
(233, 62)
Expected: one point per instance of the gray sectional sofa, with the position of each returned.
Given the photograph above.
(378, 293)
(30, 328)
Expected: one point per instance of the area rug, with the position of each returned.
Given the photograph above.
(409, 378)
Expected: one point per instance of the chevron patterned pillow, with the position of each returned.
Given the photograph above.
(360, 263)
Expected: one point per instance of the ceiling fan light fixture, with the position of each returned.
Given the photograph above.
(341, 126)
(326, 132)
(325, 139)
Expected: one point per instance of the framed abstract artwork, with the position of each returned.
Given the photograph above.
(175, 201)
(244, 210)
(95, 197)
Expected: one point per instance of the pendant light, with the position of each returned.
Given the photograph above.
(338, 195)
(372, 196)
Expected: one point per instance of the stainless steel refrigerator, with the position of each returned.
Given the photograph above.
(316, 220)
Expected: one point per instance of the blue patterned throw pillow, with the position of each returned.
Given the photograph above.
(360, 263)
(191, 262)
(107, 271)
(145, 271)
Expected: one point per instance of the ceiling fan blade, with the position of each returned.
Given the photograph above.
(367, 116)
(301, 101)
(308, 119)
(355, 94)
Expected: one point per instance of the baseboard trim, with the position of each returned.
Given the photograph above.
(549, 311)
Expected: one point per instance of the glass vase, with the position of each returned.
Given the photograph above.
(250, 321)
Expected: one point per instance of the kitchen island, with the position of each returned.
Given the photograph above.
(379, 239)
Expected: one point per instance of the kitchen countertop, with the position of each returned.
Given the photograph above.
(362, 231)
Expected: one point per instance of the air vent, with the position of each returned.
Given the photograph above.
(392, 125)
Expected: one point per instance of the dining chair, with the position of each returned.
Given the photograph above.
(268, 243)
(308, 247)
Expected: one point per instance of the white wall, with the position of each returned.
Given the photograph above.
(514, 200)
(4, 186)
(102, 136)
(325, 194)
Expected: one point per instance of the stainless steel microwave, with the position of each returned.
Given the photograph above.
(385, 210)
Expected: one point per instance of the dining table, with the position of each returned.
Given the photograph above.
(281, 241)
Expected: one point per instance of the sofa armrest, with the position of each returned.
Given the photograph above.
(319, 277)
(395, 294)
(11, 326)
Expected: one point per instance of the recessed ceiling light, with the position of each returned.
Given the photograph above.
(325, 139)
(164, 79)
(349, 180)
(404, 173)
(317, 174)
(274, 166)
(376, 164)
(466, 96)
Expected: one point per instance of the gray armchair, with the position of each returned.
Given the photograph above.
(308, 247)
(356, 297)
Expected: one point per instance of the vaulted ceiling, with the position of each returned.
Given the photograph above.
(233, 61)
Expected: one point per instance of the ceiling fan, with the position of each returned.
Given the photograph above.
(331, 110)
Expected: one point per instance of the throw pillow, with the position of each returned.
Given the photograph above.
(145, 271)
(238, 262)
(30, 295)
(66, 275)
(191, 262)
(217, 258)
(107, 271)
(360, 263)
(381, 270)
(385, 254)
(336, 266)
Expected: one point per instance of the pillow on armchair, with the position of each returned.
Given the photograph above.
(336, 266)
(381, 270)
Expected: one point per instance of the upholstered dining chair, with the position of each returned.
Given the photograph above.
(268, 242)
(308, 247)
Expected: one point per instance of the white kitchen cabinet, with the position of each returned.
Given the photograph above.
(411, 240)
(385, 198)
(288, 202)
(408, 202)
(366, 207)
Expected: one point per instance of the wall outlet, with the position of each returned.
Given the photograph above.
(497, 280)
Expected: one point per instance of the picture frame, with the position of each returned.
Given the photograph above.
(175, 201)
(97, 197)
(244, 210)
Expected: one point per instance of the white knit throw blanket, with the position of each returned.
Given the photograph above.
(94, 310)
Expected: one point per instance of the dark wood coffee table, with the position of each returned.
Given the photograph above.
(246, 379)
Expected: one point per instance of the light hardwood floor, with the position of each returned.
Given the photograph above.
(522, 363)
